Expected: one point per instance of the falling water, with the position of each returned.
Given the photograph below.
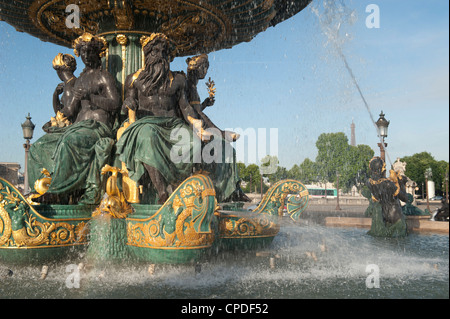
(304, 261)
(333, 16)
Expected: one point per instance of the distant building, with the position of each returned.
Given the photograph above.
(353, 137)
(10, 172)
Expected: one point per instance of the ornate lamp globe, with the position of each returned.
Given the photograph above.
(28, 128)
(382, 125)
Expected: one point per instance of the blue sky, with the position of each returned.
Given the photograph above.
(288, 78)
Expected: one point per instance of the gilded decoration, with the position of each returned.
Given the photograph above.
(183, 222)
(191, 25)
(22, 227)
(114, 203)
(59, 120)
(264, 222)
(246, 227)
(290, 192)
(393, 177)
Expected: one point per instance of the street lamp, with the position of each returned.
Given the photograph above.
(423, 190)
(28, 129)
(428, 175)
(446, 187)
(382, 125)
(337, 188)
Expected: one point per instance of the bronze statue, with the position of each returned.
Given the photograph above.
(224, 172)
(41, 152)
(95, 93)
(65, 66)
(158, 97)
(387, 193)
(86, 145)
(442, 212)
(197, 69)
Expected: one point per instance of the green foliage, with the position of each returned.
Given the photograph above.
(418, 163)
(252, 176)
(333, 154)
(336, 156)
(309, 171)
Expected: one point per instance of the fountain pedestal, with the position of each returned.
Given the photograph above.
(379, 228)
(108, 240)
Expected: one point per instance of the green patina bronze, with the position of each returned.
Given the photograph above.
(156, 133)
(380, 228)
(385, 208)
(40, 233)
(116, 47)
(180, 230)
(411, 210)
(238, 229)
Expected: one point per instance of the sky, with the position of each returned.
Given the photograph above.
(289, 79)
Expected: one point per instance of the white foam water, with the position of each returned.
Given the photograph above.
(309, 262)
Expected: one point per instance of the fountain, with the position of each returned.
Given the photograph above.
(96, 181)
(131, 240)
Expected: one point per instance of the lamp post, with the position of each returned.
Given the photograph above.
(423, 190)
(382, 125)
(428, 175)
(337, 188)
(261, 186)
(446, 187)
(28, 129)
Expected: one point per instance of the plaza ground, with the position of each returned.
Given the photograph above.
(352, 210)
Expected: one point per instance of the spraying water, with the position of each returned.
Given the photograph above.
(309, 262)
(333, 15)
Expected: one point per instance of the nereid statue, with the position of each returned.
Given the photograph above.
(41, 152)
(222, 163)
(85, 146)
(387, 216)
(167, 140)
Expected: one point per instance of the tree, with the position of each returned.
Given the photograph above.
(249, 174)
(359, 170)
(336, 156)
(333, 157)
(418, 163)
(294, 173)
(280, 174)
(308, 171)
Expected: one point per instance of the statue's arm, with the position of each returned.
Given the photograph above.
(131, 95)
(189, 113)
(72, 107)
(403, 195)
(209, 101)
(109, 99)
(57, 105)
(187, 110)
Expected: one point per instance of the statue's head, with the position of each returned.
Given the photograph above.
(197, 61)
(156, 71)
(156, 46)
(90, 48)
(199, 64)
(377, 167)
(64, 62)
